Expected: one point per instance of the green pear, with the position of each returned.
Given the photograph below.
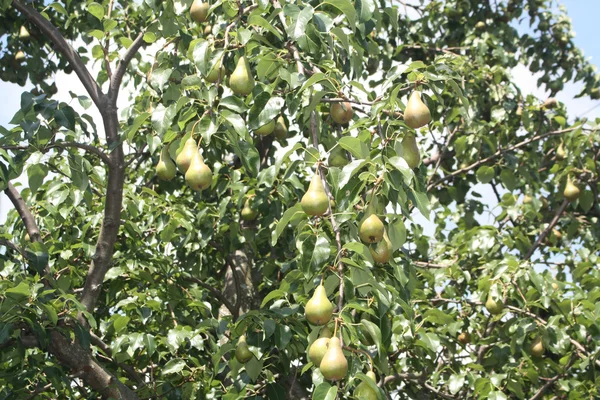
(382, 251)
(213, 74)
(24, 33)
(248, 212)
(371, 229)
(318, 310)
(317, 349)
(241, 81)
(494, 307)
(571, 192)
(266, 129)
(480, 25)
(561, 154)
(198, 176)
(364, 391)
(242, 351)
(527, 199)
(337, 157)
(184, 158)
(416, 113)
(280, 130)
(537, 347)
(199, 11)
(410, 151)
(341, 113)
(165, 169)
(334, 365)
(315, 200)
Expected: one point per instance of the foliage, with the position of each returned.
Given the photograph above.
(158, 282)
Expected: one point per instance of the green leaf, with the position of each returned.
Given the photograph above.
(19, 293)
(364, 9)
(173, 366)
(36, 174)
(455, 383)
(355, 146)
(485, 174)
(96, 10)
(257, 20)
(137, 123)
(297, 28)
(346, 7)
(289, 215)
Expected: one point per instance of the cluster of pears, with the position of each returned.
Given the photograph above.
(242, 351)
(190, 162)
(275, 126)
(241, 81)
(373, 232)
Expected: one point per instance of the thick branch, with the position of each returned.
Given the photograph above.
(9, 244)
(117, 78)
(23, 210)
(66, 50)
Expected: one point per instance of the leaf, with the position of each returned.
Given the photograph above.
(257, 20)
(137, 123)
(173, 366)
(254, 368)
(364, 9)
(19, 293)
(323, 392)
(288, 216)
(485, 174)
(397, 233)
(96, 10)
(422, 202)
(455, 383)
(355, 146)
(162, 117)
(346, 7)
(297, 28)
(36, 174)
(401, 165)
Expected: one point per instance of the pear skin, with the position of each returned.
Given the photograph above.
(382, 251)
(317, 350)
(266, 129)
(561, 154)
(24, 33)
(165, 169)
(371, 230)
(184, 158)
(571, 192)
(280, 130)
(416, 113)
(411, 151)
(199, 11)
(315, 200)
(248, 213)
(334, 365)
(241, 81)
(341, 113)
(464, 337)
(242, 351)
(318, 310)
(537, 347)
(198, 175)
(213, 74)
(494, 307)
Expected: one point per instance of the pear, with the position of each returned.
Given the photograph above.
(527, 199)
(480, 25)
(207, 30)
(199, 11)
(372, 65)
(315, 200)
(334, 365)
(561, 154)
(184, 158)
(213, 74)
(248, 213)
(242, 351)
(337, 157)
(416, 113)
(341, 113)
(20, 56)
(165, 169)
(371, 230)
(537, 347)
(550, 103)
(198, 175)
(363, 391)
(241, 81)
(411, 151)
(317, 349)
(24, 33)
(464, 338)
(571, 192)
(266, 129)
(494, 307)
(280, 130)
(318, 310)
(382, 251)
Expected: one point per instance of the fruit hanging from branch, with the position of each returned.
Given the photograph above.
(318, 310)
(416, 113)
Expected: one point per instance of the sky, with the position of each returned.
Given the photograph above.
(584, 15)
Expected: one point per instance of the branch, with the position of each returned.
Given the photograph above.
(548, 229)
(442, 152)
(89, 148)
(66, 50)
(117, 78)
(233, 310)
(540, 393)
(23, 210)
(498, 154)
(295, 52)
(8, 243)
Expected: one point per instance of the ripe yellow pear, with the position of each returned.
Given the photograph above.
(464, 338)
(213, 74)
(20, 56)
(561, 154)
(280, 130)
(494, 307)
(318, 310)
(266, 129)
(165, 169)
(341, 113)
(382, 251)
(24, 33)
(334, 365)
(537, 347)
(207, 30)
(527, 199)
(571, 192)
(371, 230)
(242, 351)
(416, 113)
(241, 81)
(363, 391)
(410, 151)
(184, 158)
(248, 212)
(318, 348)
(199, 11)
(337, 157)
(198, 175)
(315, 200)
